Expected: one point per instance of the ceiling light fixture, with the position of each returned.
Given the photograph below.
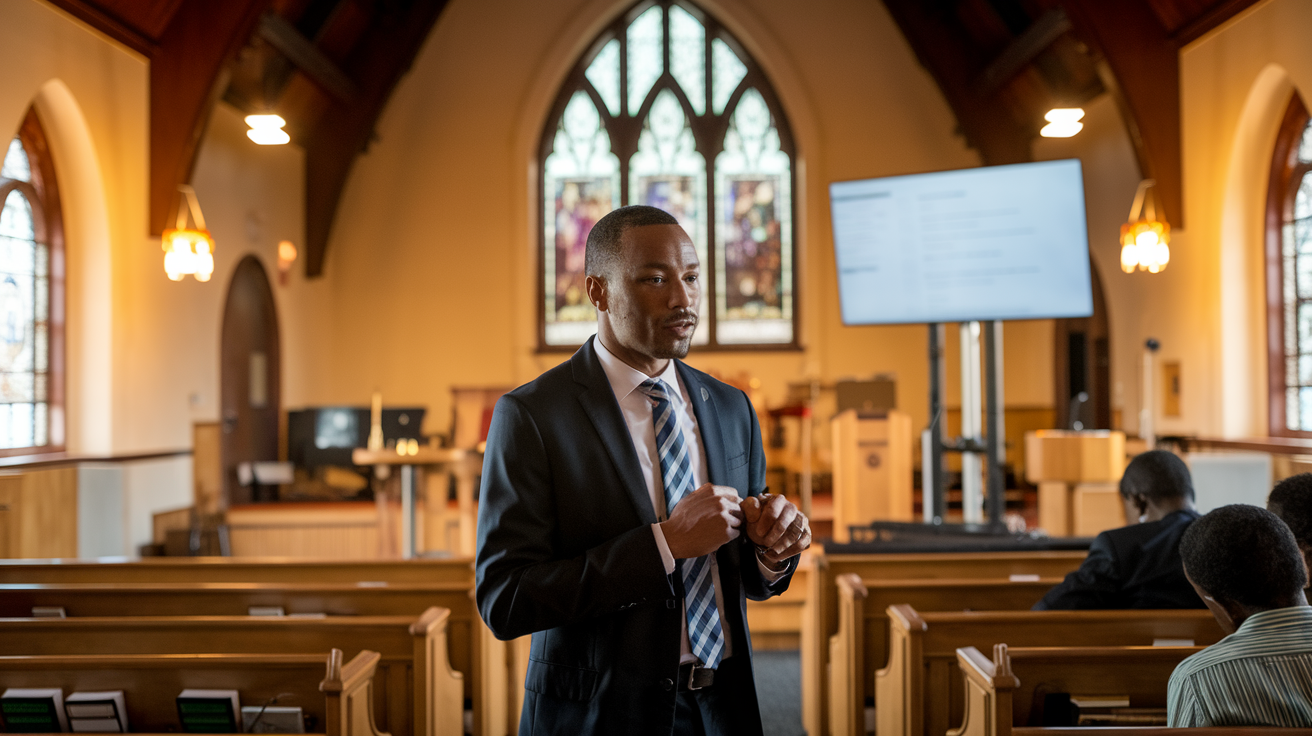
(1144, 238)
(188, 251)
(266, 130)
(286, 257)
(1063, 122)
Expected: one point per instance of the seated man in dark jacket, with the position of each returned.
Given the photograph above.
(1138, 566)
(1291, 500)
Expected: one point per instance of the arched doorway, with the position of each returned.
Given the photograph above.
(1083, 366)
(249, 376)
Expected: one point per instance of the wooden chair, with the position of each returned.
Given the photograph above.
(918, 693)
(422, 695)
(820, 611)
(340, 702)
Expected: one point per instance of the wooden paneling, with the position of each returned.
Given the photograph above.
(206, 467)
(40, 516)
(332, 531)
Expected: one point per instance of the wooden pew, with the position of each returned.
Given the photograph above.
(418, 693)
(913, 692)
(339, 703)
(239, 570)
(820, 611)
(1007, 690)
(861, 642)
(472, 647)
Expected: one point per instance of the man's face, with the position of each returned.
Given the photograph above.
(653, 291)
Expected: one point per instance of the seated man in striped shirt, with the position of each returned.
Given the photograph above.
(1291, 500)
(1245, 564)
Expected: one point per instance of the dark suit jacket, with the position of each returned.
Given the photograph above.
(566, 552)
(1136, 566)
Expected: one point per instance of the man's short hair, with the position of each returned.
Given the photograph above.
(1244, 554)
(1291, 500)
(603, 247)
(1157, 475)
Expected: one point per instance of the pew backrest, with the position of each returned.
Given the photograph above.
(239, 570)
(1007, 690)
(918, 692)
(421, 693)
(336, 695)
(820, 612)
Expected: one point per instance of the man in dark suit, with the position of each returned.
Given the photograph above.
(1138, 566)
(638, 615)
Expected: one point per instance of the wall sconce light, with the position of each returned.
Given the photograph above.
(286, 257)
(266, 130)
(1063, 122)
(1144, 238)
(188, 251)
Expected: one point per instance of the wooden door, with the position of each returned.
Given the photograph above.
(1083, 365)
(250, 376)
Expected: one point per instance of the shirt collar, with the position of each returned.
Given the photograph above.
(624, 378)
(1277, 617)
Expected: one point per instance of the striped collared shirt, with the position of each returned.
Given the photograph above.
(1261, 675)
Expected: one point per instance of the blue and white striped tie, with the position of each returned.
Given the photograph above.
(704, 631)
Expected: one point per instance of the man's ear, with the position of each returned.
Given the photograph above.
(597, 293)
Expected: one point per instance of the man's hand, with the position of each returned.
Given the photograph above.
(702, 521)
(776, 527)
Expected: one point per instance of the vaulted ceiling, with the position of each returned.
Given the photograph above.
(329, 67)
(1002, 64)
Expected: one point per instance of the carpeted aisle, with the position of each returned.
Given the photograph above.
(779, 688)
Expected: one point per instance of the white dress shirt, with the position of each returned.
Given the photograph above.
(636, 408)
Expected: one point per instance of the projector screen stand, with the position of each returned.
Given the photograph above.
(990, 448)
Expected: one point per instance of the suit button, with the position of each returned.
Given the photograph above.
(669, 604)
(667, 684)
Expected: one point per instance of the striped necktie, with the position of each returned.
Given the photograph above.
(704, 631)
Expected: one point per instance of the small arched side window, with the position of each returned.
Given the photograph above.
(667, 109)
(31, 296)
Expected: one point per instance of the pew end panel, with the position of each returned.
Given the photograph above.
(441, 713)
(900, 686)
(990, 686)
(846, 660)
(348, 694)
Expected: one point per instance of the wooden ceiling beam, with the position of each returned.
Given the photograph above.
(1034, 41)
(187, 76)
(985, 120)
(1144, 65)
(377, 62)
(302, 53)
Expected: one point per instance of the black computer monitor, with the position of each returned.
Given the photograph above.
(327, 435)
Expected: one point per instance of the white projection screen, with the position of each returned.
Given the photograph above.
(992, 243)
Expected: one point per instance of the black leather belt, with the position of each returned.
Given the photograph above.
(693, 676)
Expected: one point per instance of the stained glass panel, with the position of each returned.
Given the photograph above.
(754, 268)
(24, 308)
(16, 165)
(668, 172)
(1305, 148)
(646, 39)
(727, 71)
(688, 56)
(581, 178)
(604, 74)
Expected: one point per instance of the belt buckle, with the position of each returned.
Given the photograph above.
(700, 677)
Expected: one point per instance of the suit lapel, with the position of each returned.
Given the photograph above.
(708, 424)
(598, 400)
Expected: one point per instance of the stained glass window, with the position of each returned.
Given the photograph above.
(29, 387)
(700, 136)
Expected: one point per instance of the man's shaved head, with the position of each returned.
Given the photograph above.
(603, 247)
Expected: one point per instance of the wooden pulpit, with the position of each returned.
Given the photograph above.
(872, 469)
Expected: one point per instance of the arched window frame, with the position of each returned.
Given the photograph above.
(1288, 173)
(709, 131)
(42, 194)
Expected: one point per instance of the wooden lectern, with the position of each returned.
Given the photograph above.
(872, 470)
(1078, 475)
